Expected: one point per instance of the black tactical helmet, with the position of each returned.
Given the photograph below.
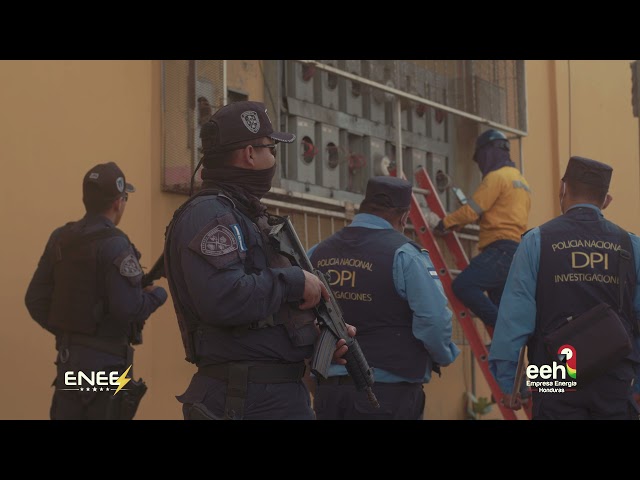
(491, 135)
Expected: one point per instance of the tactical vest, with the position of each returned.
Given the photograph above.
(300, 324)
(77, 304)
(359, 264)
(579, 262)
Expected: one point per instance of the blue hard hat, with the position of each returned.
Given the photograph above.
(490, 136)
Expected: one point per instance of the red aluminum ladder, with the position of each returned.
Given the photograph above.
(462, 313)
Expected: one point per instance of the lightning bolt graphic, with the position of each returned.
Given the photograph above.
(122, 381)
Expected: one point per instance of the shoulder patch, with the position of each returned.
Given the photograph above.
(218, 241)
(129, 267)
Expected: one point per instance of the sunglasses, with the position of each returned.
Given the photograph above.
(270, 146)
(125, 196)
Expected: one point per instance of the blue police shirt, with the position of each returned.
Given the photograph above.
(517, 313)
(416, 281)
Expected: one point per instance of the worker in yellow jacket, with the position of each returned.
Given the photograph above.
(502, 203)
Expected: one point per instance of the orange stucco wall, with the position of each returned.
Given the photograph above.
(59, 118)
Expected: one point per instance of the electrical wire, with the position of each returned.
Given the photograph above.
(569, 80)
(266, 85)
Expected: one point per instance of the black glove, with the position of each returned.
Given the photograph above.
(439, 229)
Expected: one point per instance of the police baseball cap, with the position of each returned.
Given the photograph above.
(390, 192)
(105, 181)
(591, 172)
(239, 123)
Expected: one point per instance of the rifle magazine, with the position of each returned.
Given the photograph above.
(323, 354)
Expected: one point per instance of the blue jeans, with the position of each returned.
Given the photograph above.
(487, 272)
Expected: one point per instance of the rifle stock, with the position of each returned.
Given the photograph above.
(328, 314)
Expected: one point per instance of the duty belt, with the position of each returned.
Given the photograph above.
(348, 380)
(339, 380)
(256, 373)
(118, 346)
(239, 375)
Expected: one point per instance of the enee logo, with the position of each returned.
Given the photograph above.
(101, 380)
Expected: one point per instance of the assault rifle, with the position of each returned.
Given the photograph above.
(148, 278)
(284, 239)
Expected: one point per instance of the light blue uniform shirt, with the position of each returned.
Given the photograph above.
(517, 313)
(416, 281)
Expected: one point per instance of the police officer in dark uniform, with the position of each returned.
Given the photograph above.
(87, 291)
(388, 289)
(550, 281)
(242, 309)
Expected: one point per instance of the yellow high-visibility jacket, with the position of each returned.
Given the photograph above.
(502, 202)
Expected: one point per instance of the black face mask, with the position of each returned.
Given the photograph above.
(254, 182)
(490, 158)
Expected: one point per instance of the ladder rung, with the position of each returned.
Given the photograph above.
(468, 237)
(423, 191)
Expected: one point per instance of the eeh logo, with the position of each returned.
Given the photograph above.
(567, 354)
(553, 378)
(96, 381)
